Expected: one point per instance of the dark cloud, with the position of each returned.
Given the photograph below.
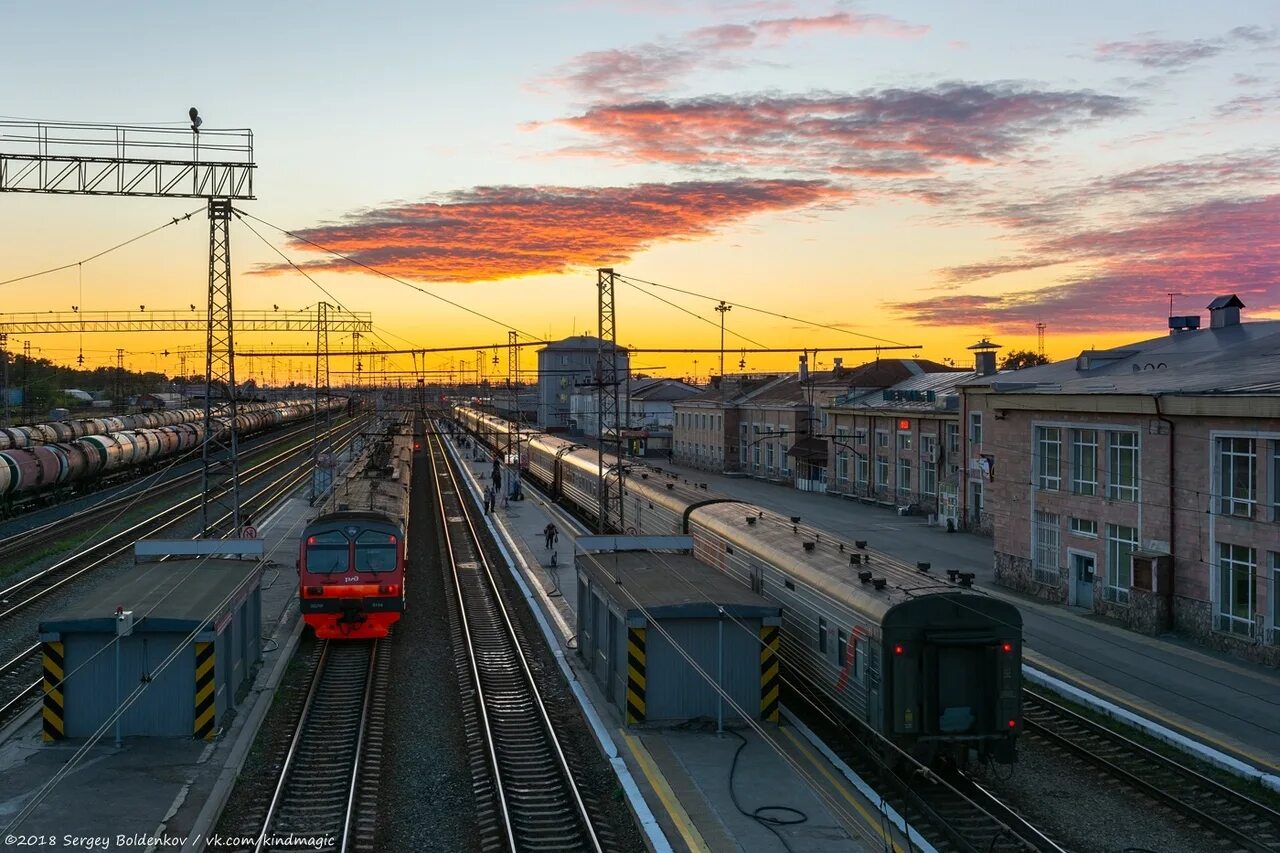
(490, 233)
(1201, 251)
(1175, 55)
(648, 69)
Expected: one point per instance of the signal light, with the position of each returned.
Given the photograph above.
(1013, 724)
(315, 590)
(899, 648)
(1006, 647)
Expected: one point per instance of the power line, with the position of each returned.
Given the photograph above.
(768, 312)
(385, 274)
(173, 221)
(687, 311)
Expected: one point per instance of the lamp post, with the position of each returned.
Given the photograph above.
(722, 309)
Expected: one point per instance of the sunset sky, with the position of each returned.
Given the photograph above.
(912, 172)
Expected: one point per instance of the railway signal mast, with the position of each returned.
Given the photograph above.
(76, 158)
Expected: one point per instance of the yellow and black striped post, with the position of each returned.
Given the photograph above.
(204, 691)
(769, 665)
(55, 712)
(635, 675)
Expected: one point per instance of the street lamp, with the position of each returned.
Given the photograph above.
(722, 309)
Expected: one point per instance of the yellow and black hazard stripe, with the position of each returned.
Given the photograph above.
(635, 675)
(204, 691)
(55, 713)
(769, 666)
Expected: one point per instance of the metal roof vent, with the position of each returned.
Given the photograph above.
(951, 574)
(809, 546)
(861, 543)
(879, 583)
(795, 519)
(1225, 311)
(924, 567)
(855, 559)
(865, 577)
(751, 519)
(966, 579)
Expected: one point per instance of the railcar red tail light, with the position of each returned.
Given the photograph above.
(1013, 724)
(389, 588)
(1006, 647)
(899, 649)
(311, 540)
(315, 590)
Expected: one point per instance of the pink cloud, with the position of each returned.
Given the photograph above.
(1175, 55)
(493, 233)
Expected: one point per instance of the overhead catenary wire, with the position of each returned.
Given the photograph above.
(173, 221)
(692, 314)
(738, 304)
(356, 262)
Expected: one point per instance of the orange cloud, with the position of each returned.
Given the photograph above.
(491, 233)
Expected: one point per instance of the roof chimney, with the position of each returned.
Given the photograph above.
(1225, 311)
(804, 367)
(984, 356)
(839, 365)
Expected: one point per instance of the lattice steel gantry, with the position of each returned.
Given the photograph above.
(80, 158)
(607, 382)
(321, 443)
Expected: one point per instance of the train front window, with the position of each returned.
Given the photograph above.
(375, 552)
(328, 552)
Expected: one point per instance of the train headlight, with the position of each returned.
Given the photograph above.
(389, 588)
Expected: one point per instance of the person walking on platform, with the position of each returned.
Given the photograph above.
(488, 499)
(550, 534)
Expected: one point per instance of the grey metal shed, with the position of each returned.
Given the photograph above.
(207, 612)
(649, 620)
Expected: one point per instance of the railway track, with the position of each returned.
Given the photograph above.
(1238, 821)
(20, 676)
(325, 795)
(529, 797)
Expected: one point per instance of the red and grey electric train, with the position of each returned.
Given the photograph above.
(351, 575)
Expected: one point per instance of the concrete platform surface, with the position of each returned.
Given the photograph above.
(684, 772)
(149, 792)
(1231, 704)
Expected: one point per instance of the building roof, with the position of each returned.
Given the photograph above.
(731, 390)
(671, 585)
(663, 390)
(577, 343)
(925, 393)
(176, 595)
(1243, 358)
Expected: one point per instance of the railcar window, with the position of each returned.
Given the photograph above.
(375, 552)
(328, 552)
(822, 635)
(842, 646)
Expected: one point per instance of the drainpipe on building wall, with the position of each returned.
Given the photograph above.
(1173, 512)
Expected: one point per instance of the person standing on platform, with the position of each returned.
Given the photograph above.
(550, 534)
(488, 499)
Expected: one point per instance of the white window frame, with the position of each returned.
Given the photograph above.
(904, 476)
(1232, 558)
(1273, 596)
(1232, 499)
(975, 427)
(882, 439)
(1048, 453)
(860, 435)
(862, 470)
(1075, 526)
(1046, 547)
(904, 440)
(882, 472)
(842, 455)
(928, 469)
(1116, 489)
(953, 439)
(1119, 569)
(1084, 478)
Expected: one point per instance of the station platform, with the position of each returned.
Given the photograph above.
(156, 792)
(1226, 703)
(684, 771)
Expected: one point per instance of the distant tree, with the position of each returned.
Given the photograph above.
(1020, 358)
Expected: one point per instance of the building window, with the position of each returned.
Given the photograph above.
(1084, 461)
(1237, 483)
(904, 441)
(755, 455)
(975, 427)
(842, 455)
(904, 477)
(953, 440)
(860, 436)
(1273, 595)
(1275, 480)
(1122, 466)
(1236, 567)
(822, 634)
(1049, 458)
(860, 467)
(928, 464)
(1084, 527)
(882, 439)
(768, 457)
(882, 472)
(1121, 543)
(1046, 528)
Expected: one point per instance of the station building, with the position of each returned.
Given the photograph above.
(1143, 482)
